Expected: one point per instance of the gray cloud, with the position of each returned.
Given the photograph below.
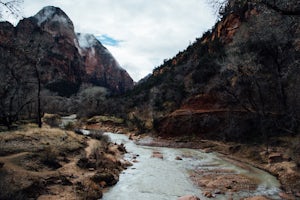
(150, 31)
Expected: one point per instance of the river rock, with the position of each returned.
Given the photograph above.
(125, 163)
(219, 192)
(275, 158)
(286, 196)
(109, 178)
(208, 194)
(131, 136)
(207, 150)
(157, 154)
(188, 197)
(178, 158)
(257, 198)
(122, 148)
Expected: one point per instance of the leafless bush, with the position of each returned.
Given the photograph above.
(52, 120)
(99, 135)
(49, 157)
(295, 151)
(7, 191)
(88, 190)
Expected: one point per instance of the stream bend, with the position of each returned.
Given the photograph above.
(165, 177)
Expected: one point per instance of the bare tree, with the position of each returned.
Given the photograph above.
(291, 8)
(284, 7)
(11, 7)
(38, 79)
(14, 88)
(259, 71)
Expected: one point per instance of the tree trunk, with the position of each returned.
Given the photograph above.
(39, 112)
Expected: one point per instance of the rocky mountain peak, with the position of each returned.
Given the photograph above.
(67, 59)
(100, 65)
(56, 22)
(52, 14)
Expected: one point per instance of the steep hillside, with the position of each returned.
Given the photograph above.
(238, 82)
(42, 58)
(65, 56)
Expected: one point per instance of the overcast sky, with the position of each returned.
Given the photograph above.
(139, 33)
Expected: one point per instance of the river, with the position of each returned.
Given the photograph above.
(169, 178)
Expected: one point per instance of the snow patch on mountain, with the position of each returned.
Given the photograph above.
(53, 14)
(89, 41)
(44, 14)
(86, 40)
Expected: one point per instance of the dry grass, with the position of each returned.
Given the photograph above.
(43, 162)
(30, 154)
(32, 139)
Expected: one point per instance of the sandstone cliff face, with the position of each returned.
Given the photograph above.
(100, 66)
(237, 82)
(48, 40)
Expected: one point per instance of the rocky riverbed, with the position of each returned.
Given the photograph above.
(171, 173)
(273, 159)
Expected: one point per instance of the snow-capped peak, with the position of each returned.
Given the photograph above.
(86, 40)
(52, 13)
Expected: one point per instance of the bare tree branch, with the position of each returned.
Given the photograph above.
(281, 10)
(12, 7)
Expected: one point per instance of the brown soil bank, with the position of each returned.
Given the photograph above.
(50, 163)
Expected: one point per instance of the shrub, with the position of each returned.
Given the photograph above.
(99, 135)
(7, 191)
(295, 151)
(49, 157)
(69, 126)
(52, 120)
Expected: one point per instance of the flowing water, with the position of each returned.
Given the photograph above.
(167, 179)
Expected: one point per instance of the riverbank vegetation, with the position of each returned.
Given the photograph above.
(53, 163)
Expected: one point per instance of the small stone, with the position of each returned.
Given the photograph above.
(229, 187)
(102, 184)
(218, 192)
(178, 158)
(109, 178)
(275, 158)
(131, 136)
(188, 197)
(208, 150)
(157, 154)
(257, 198)
(208, 194)
(286, 196)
